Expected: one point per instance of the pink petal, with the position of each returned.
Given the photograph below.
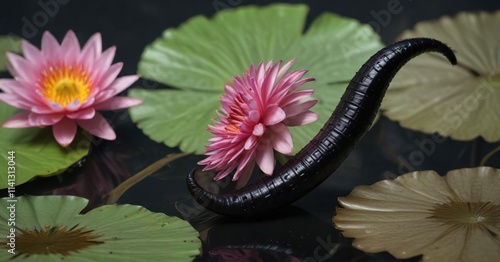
(265, 159)
(258, 130)
(301, 119)
(229, 90)
(273, 115)
(291, 78)
(41, 109)
(254, 116)
(221, 174)
(103, 96)
(19, 120)
(31, 53)
(233, 154)
(86, 113)
(98, 126)
(296, 96)
(93, 92)
(110, 75)
(298, 108)
(64, 131)
(237, 139)
(250, 142)
(8, 85)
(244, 175)
(21, 90)
(74, 106)
(300, 83)
(93, 47)
(117, 103)
(90, 51)
(281, 139)
(70, 47)
(55, 107)
(261, 73)
(50, 46)
(247, 160)
(14, 101)
(44, 120)
(21, 68)
(270, 64)
(291, 89)
(116, 87)
(285, 68)
(90, 101)
(268, 84)
(104, 61)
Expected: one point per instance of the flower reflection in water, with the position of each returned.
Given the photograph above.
(92, 178)
(249, 255)
(102, 172)
(291, 235)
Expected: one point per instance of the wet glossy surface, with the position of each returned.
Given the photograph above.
(302, 232)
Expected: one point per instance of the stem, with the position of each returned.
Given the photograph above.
(475, 158)
(489, 155)
(116, 193)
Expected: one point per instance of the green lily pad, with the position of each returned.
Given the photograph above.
(8, 43)
(50, 228)
(35, 151)
(202, 54)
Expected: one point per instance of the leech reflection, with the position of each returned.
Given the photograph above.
(291, 235)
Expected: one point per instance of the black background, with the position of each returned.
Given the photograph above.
(299, 231)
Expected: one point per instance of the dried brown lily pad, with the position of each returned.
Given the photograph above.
(461, 102)
(443, 218)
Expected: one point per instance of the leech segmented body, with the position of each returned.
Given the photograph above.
(350, 120)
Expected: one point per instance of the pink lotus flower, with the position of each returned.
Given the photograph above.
(257, 109)
(63, 86)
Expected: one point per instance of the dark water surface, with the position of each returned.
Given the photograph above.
(302, 232)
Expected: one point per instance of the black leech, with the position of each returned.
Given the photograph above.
(351, 119)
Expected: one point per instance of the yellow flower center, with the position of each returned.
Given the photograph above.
(63, 84)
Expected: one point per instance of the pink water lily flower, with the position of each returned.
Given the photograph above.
(257, 109)
(63, 86)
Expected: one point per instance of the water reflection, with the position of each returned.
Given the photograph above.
(290, 235)
(93, 177)
(108, 164)
(293, 234)
(302, 232)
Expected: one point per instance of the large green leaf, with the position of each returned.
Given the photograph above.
(203, 54)
(36, 152)
(8, 43)
(51, 228)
